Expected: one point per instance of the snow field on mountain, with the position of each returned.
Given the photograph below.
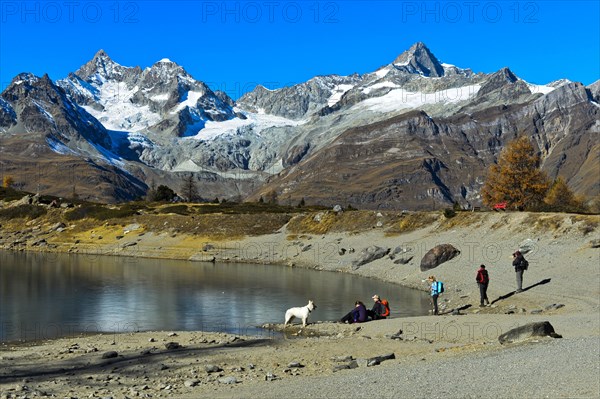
(255, 122)
(544, 89)
(190, 101)
(59, 147)
(119, 113)
(338, 91)
(110, 157)
(403, 99)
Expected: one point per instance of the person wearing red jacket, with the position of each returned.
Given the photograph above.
(483, 279)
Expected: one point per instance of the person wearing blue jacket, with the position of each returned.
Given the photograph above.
(434, 290)
(356, 315)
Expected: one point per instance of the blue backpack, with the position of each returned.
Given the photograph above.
(440, 287)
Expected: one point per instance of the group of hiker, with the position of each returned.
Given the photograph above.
(483, 279)
(381, 308)
(360, 313)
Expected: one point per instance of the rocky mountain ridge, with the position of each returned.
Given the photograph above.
(163, 97)
(412, 134)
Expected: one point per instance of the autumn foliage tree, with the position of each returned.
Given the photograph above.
(516, 179)
(7, 181)
(560, 198)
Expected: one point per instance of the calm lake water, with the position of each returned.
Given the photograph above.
(44, 296)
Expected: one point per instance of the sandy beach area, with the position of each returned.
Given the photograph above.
(456, 354)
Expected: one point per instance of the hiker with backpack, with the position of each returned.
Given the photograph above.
(520, 264)
(483, 279)
(435, 288)
(380, 310)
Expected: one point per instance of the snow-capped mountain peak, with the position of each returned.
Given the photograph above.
(418, 59)
(102, 67)
(559, 82)
(102, 57)
(131, 99)
(167, 70)
(24, 77)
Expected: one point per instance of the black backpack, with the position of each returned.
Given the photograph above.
(524, 264)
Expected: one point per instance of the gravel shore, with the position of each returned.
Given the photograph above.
(535, 370)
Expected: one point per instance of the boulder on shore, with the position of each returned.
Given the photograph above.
(438, 255)
(538, 329)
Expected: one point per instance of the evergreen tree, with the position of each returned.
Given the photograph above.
(163, 193)
(516, 179)
(560, 198)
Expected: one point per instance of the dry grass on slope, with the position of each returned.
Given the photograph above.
(216, 225)
(464, 219)
(412, 221)
(347, 221)
(393, 223)
(562, 223)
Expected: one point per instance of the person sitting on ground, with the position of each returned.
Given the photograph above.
(379, 310)
(356, 315)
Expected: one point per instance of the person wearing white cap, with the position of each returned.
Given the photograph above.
(378, 311)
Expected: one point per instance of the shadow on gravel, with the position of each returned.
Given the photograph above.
(93, 363)
(456, 310)
(545, 281)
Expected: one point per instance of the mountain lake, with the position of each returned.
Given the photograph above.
(49, 295)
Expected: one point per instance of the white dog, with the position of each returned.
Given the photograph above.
(301, 313)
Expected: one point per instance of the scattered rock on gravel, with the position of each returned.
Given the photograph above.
(397, 335)
(343, 358)
(191, 383)
(345, 366)
(109, 355)
(369, 255)
(211, 368)
(403, 260)
(172, 345)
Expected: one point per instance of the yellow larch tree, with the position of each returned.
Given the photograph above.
(516, 179)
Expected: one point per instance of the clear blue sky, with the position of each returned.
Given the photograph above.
(232, 46)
